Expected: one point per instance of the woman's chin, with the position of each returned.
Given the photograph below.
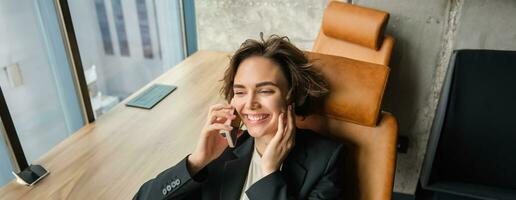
(256, 132)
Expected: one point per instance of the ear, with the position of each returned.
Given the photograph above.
(289, 98)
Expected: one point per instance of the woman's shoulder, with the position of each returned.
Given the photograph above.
(312, 141)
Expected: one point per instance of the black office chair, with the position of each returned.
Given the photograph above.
(472, 145)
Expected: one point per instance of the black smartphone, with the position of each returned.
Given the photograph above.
(232, 136)
(31, 175)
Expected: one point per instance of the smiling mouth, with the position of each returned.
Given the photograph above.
(256, 118)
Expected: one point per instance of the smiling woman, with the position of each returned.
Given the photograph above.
(305, 86)
(267, 83)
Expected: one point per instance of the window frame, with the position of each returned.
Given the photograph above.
(73, 55)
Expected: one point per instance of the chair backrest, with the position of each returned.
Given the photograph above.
(474, 123)
(352, 53)
(352, 115)
(357, 88)
(355, 32)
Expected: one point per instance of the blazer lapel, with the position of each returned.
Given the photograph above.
(235, 170)
(293, 168)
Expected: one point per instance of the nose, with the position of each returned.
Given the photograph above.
(251, 103)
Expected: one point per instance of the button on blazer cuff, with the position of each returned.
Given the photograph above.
(175, 182)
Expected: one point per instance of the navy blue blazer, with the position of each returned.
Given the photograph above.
(312, 170)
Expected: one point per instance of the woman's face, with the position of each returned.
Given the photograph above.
(259, 95)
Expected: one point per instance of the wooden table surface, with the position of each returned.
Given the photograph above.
(112, 157)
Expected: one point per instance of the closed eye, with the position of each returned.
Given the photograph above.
(266, 91)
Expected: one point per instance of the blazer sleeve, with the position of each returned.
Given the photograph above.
(274, 186)
(173, 183)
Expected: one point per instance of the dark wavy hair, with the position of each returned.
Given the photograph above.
(305, 86)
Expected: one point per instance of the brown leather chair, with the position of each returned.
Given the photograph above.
(355, 32)
(352, 115)
(352, 112)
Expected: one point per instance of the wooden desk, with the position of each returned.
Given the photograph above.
(112, 157)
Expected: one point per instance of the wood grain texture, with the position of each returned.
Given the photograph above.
(112, 157)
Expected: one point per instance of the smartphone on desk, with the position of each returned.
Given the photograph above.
(232, 136)
(31, 175)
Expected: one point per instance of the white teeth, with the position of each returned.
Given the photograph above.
(256, 117)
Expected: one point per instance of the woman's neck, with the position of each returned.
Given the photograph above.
(260, 143)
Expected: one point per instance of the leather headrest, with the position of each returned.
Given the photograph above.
(356, 87)
(355, 24)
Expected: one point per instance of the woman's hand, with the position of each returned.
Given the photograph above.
(281, 144)
(211, 144)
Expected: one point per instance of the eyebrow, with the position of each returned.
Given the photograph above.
(260, 84)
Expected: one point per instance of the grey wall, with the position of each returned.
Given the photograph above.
(487, 24)
(419, 28)
(426, 33)
(225, 24)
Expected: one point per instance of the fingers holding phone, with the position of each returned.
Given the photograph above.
(220, 113)
(232, 135)
(211, 144)
(236, 124)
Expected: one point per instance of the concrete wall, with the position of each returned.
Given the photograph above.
(426, 33)
(419, 28)
(225, 24)
(487, 24)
